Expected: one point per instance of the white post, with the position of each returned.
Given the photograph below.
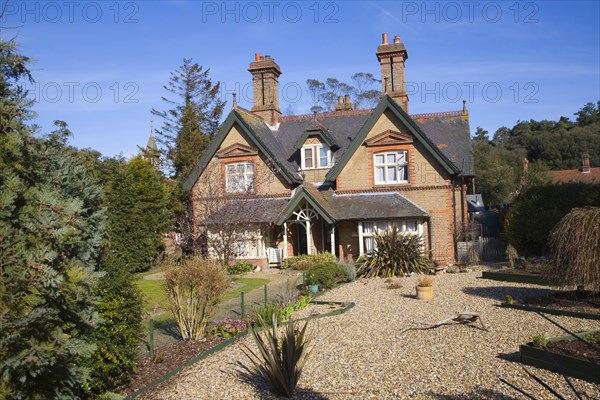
(307, 237)
(285, 244)
(332, 233)
(361, 245)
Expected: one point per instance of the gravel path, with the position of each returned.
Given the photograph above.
(363, 353)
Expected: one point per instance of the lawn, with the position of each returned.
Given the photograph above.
(156, 296)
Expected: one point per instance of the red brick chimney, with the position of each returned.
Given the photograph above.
(392, 56)
(585, 163)
(265, 81)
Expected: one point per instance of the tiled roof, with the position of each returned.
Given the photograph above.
(261, 210)
(374, 206)
(576, 176)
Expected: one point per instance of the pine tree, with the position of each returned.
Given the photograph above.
(193, 119)
(51, 227)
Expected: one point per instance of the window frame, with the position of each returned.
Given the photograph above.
(367, 230)
(386, 165)
(249, 178)
(315, 150)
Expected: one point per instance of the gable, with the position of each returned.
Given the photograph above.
(237, 150)
(379, 122)
(237, 131)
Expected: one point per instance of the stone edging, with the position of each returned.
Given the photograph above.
(230, 341)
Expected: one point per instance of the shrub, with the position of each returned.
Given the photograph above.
(328, 275)
(281, 360)
(194, 286)
(264, 313)
(117, 338)
(537, 210)
(574, 249)
(241, 268)
(302, 302)
(395, 254)
(350, 272)
(539, 341)
(304, 262)
(228, 327)
(508, 299)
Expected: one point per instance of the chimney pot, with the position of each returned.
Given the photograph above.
(396, 39)
(347, 99)
(384, 38)
(256, 56)
(340, 99)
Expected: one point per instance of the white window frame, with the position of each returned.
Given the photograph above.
(315, 150)
(387, 165)
(367, 229)
(232, 186)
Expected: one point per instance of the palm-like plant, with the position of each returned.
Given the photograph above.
(395, 254)
(280, 359)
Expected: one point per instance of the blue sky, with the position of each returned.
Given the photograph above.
(101, 65)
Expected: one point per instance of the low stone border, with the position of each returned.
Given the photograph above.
(570, 366)
(345, 308)
(552, 311)
(517, 278)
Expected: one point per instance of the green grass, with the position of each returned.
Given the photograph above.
(249, 284)
(156, 296)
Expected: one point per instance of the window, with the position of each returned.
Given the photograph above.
(316, 156)
(391, 167)
(367, 229)
(239, 177)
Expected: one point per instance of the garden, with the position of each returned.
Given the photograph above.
(391, 308)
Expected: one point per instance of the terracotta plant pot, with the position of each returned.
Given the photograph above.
(424, 293)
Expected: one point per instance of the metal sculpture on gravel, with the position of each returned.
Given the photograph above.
(463, 317)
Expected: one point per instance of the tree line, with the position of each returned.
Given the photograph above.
(547, 145)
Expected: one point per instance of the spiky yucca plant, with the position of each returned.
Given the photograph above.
(395, 254)
(280, 359)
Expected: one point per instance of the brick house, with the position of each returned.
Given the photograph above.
(278, 186)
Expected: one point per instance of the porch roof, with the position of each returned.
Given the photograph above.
(332, 207)
(247, 211)
(374, 206)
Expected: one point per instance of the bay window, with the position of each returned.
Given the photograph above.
(367, 230)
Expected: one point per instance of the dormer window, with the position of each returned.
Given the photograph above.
(239, 177)
(315, 156)
(391, 167)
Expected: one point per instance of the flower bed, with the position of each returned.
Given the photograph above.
(565, 354)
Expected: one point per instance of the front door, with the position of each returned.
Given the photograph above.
(300, 246)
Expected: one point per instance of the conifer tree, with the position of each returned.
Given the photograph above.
(51, 227)
(192, 119)
(138, 214)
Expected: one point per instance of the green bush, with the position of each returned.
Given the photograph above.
(328, 274)
(350, 272)
(302, 302)
(539, 341)
(304, 262)
(537, 210)
(395, 254)
(241, 268)
(265, 313)
(117, 339)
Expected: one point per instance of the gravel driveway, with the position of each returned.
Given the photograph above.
(364, 353)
